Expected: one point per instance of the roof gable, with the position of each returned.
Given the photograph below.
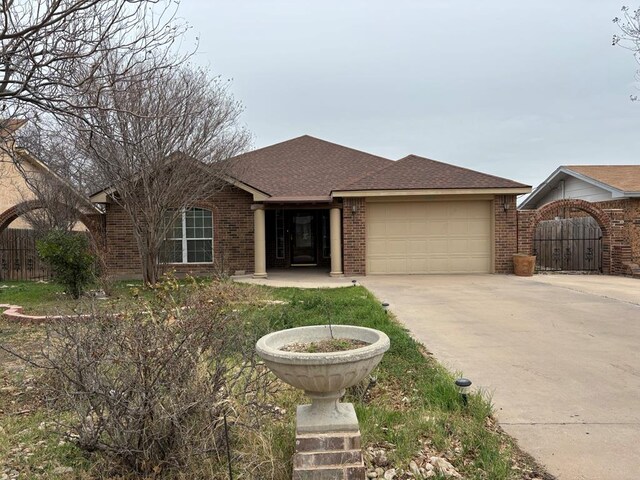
(620, 181)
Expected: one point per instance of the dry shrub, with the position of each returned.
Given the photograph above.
(150, 388)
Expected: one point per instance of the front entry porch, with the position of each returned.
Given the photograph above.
(307, 277)
(297, 237)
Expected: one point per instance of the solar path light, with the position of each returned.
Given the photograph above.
(464, 388)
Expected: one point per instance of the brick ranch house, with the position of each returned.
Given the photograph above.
(608, 193)
(308, 202)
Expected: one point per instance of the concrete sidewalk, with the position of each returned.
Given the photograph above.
(559, 354)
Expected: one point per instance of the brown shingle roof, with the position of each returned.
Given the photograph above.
(303, 167)
(622, 177)
(414, 172)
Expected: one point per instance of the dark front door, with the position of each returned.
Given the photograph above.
(303, 239)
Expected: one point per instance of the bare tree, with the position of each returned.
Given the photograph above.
(159, 140)
(43, 141)
(629, 37)
(44, 44)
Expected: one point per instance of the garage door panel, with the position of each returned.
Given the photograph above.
(456, 245)
(438, 227)
(438, 246)
(438, 265)
(418, 265)
(417, 247)
(395, 247)
(397, 228)
(376, 247)
(418, 227)
(480, 227)
(429, 237)
(397, 265)
(458, 227)
(479, 247)
(377, 229)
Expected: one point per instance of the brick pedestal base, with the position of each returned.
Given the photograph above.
(328, 456)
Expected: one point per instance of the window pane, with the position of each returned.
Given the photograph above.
(175, 230)
(199, 251)
(190, 220)
(172, 251)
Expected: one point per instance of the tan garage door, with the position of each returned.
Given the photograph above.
(429, 237)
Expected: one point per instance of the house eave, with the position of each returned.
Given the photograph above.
(258, 196)
(299, 199)
(541, 190)
(431, 191)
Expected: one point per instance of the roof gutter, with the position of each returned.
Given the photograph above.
(431, 191)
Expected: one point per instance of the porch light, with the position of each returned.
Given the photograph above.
(464, 388)
(385, 306)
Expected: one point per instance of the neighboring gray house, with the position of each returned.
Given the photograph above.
(593, 183)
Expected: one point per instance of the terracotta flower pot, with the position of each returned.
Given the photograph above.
(524, 265)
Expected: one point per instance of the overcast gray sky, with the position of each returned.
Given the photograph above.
(506, 87)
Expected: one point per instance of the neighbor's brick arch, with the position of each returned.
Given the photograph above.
(92, 222)
(528, 220)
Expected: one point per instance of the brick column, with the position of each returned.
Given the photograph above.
(505, 232)
(617, 252)
(328, 456)
(354, 235)
(525, 231)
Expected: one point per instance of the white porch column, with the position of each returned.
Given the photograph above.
(336, 243)
(259, 247)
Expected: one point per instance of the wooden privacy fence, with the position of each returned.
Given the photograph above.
(19, 258)
(569, 244)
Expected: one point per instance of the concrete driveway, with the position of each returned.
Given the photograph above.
(559, 354)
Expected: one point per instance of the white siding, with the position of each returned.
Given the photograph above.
(575, 188)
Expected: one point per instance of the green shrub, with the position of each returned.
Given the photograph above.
(70, 257)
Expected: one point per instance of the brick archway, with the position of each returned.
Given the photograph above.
(603, 219)
(92, 222)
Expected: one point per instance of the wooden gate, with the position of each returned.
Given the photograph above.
(571, 244)
(19, 258)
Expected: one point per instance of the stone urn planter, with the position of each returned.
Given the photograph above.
(524, 265)
(323, 376)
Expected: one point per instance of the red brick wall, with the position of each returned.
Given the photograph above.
(232, 237)
(353, 236)
(630, 230)
(526, 219)
(619, 220)
(505, 232)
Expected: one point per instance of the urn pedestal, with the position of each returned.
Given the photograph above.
(327, 431)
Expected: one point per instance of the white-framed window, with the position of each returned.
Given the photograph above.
(190, 238)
